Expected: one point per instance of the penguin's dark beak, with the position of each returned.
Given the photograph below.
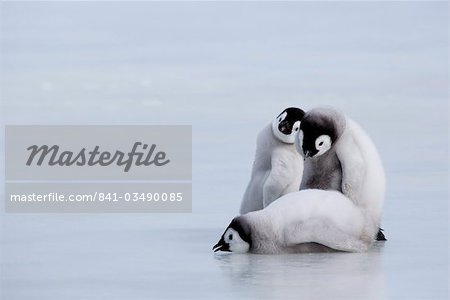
(221, 246)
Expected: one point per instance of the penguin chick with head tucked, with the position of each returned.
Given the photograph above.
(339, 155)
(277, 168)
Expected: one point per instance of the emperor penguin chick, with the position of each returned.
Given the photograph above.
(304, 221)
(278, 167)
(339, 155)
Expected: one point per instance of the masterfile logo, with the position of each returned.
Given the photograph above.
(90, 158)
(98, 168)
(130, 152)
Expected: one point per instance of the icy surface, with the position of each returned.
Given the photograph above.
(226, 68)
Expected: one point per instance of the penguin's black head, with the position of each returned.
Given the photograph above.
(287, 124)
(236, 237)
(317, 134)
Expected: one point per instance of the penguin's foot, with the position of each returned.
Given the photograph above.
(380, 235)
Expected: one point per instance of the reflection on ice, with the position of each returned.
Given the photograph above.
(324, 275)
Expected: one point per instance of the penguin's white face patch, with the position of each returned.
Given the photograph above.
(235, 242)
(284, 130)
(323, 144)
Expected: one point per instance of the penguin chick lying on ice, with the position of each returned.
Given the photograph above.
(304, 221)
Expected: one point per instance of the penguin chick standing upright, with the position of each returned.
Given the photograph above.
(277, 168)
(338, 155)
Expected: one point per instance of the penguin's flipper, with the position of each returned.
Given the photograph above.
(352, 164)
(280, 175)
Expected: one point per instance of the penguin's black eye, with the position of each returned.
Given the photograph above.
(321, 143)
(279, 120)
(230, 237)
(296, 129)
